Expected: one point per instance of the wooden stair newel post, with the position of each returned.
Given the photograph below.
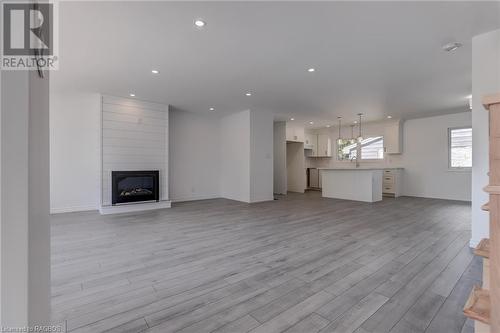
(492, 103)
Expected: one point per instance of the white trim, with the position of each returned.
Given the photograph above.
(72, 209)
(105, 210)
(196, 198)
(262, 200)
(101, 166)
(435, 197)
(463, 170)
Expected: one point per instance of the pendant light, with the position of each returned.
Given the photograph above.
(360, 137)
(352, 140)
(339, 139)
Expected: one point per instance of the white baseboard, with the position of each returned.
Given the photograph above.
(262, 200)
(118, 209)
(195, 198)
(434, 197)
(59, 210)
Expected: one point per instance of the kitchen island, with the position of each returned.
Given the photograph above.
(360, 184)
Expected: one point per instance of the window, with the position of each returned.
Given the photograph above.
(347, 149)
(460, 148)
(371, 149)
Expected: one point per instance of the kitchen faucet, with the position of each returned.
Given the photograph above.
(356, 159)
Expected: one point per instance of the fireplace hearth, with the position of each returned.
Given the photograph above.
(134, 186)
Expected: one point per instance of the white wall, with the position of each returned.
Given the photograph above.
(1, 200)
(203, 148)
(279, 161)
(14, 218)
(485, 80)
(25, 228)
(194, 156)
(74, 151)
(261, 156)
(235, 156)
(425, 159)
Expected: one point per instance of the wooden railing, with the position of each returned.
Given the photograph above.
(484, 302)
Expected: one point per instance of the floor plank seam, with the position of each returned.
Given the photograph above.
(454, 287)
(429, 284)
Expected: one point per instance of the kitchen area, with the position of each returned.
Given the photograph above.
(360, 162)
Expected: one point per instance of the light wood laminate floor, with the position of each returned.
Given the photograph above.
(301, 264)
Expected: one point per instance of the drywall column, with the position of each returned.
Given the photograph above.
(261, 156)
(24, 219)
(235, 156)
(279, 161)
(485, 80)
(246, 156)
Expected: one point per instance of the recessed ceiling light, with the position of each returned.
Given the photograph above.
(132, 95)
(355, 121)
(328, 126)
(155, 71)
(310, 70)
(248, 94)
(311, 122)
(389, 117)
(199, 23)
(292, 119)
(212, 109)
(450, 47)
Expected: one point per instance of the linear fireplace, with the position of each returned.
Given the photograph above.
(134, 186)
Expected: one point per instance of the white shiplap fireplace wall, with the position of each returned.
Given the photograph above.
(134, 136)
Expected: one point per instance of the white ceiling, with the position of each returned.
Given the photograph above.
(379, 58)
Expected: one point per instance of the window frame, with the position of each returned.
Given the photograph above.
(452, 168)
(374, 159)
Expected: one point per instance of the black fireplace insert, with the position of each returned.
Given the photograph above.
(135, 186)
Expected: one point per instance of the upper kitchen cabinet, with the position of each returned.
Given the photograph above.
(320, 145)
(393, 137)
(324, 146)
(294, 133)
(311, 142)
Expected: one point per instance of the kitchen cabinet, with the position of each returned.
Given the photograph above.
(311, 142)
(324, 146)
(393, 137)
(392, 182)
(320, 145)
(294, 133)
